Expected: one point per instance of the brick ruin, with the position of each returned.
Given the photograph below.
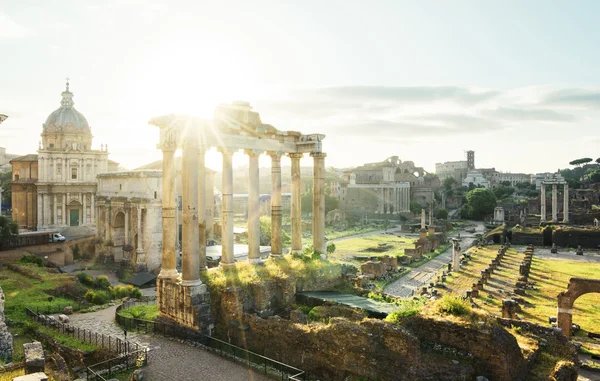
(576, 288)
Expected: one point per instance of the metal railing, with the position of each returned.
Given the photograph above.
(128, 354)
(251, 359)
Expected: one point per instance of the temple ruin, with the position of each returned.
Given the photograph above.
(183, 297)
(555, 181)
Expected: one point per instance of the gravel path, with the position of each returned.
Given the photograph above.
(169, 359)
(417, 277)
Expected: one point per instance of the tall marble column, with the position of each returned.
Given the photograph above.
(276, 244)
(227, 257)
(63, 215)
(543, 202)
(210, 202)
(84, 217)
(169, 232)
(40, 222)
(140, 242)
(127, 223)
(566, 204)
(296, 204)
(253, 207)
(201, 208)
(380, 201)
(554, 203)
(107, 220)
(97, 222)
(54, 208)
(93, 211)
(396, 203)
(190, 268)
(318, 216)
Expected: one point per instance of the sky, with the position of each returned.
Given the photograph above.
(515, 81)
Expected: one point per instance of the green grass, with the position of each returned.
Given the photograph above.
(23, 291)
(407, 308)
(67, 340)
(429, 256)
(9, 375)
(144, 312)
(347, 249)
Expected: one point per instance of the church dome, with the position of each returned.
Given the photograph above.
(67, 119)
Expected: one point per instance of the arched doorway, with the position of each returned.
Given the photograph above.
(119, 229)
(576, 288)
(74, 213)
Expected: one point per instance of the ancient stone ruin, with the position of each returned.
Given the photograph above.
(6, 339)
(183, 297)
(576, 288)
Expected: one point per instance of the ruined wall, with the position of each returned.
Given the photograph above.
(86, 247)
(571, 237)
(6, 340)
(520, 238)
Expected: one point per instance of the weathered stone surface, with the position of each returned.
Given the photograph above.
(6, 339)
(564, 371)
(298, 316)
(63, 318)
(38, 376)
(68, 310)
(377, 269)
(138, 375)
(35, 359)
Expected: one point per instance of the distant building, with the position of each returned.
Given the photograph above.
(539, 177)
(454, 169)
(62, 176)
(498, 178)
(476, 178)
(5, 158)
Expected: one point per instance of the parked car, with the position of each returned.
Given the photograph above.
(57, 237)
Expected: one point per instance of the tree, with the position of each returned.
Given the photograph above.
(5, 179)
(8, 229)
(415, 207)
(331, 203)
(441, 214)
(503, 192)
(506, 183)
(448, 182)
(598, 160)
(578, 162)
(480, 203)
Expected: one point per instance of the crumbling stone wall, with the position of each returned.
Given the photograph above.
(571, 237)
(6, 340)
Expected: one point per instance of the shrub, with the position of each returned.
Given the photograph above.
(120, 292)
(454, 305)
(85, 279)
(31, 258)
(89, 295)
(102, 282)
(407, 308)
(100, 297)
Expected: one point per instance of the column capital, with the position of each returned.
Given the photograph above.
(167, 146)
(318, 155)
(226, 151)
(275, 155)
(295, 155)
(253, 152)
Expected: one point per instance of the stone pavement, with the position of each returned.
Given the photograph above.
(169, 359)
(417, 277)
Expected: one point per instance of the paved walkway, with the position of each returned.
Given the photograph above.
(417, 277)
(169, 359)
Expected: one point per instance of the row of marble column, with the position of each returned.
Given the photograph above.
(48, 206)
(194, 200)
(108, 225)
(393, 200)
(555, 203)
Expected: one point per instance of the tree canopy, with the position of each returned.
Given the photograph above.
(7, 229)
(583, 160)
(480, 204)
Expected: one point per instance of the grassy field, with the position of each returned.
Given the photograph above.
(347, 249)
(22, 291)
(147, 312)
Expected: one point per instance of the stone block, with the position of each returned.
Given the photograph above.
(474, 293)
(35, 359)
(138, 375)
(63, 319)
(298, 316)
(38, 376)
(377, 269)
(68, 310)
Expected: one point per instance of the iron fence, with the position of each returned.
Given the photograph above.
(251, 359)
(128, 354)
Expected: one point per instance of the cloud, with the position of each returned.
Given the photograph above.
(408, 93)
(574, 97)
(527, 114)
(9, 29)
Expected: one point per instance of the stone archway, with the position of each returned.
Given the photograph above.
(576, 288)
(119, 229)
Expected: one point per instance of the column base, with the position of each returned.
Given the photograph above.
(226, 265)
(297, 251)
(168, 274)
(275, 256)
(255, 261)
(191, 283)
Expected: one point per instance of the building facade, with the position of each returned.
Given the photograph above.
(454, 169)
(476, 178)
(24, 191)
(67, 167)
